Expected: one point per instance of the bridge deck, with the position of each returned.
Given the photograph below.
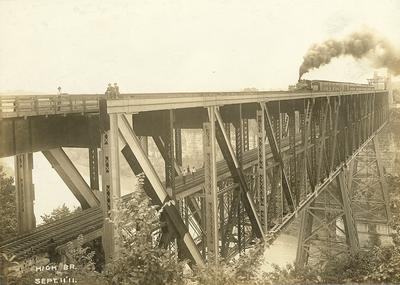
(45, 105)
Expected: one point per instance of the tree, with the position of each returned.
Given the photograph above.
(140, 260)
(8, 208)
(58, 214)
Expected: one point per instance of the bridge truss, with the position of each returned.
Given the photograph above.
(307, 162)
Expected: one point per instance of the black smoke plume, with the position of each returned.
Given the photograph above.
(364, 44)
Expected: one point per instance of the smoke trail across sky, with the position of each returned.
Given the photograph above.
(364, 44)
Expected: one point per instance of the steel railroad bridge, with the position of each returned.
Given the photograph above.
(316, 154)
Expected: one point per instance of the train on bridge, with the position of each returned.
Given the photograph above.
(329, 86)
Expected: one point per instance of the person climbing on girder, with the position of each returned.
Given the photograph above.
(52, 252)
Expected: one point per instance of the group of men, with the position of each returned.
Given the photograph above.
(112, 92)
(187, 171)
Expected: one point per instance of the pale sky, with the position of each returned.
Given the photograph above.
(155, 46)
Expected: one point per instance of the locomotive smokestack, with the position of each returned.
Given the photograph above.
(359, 45)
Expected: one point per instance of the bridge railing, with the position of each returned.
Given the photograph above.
(21, 106)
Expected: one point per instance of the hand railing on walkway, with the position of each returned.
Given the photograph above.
(23, 106)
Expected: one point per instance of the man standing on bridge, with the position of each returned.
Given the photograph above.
(116, 91)
(184, 173)
(109, 91)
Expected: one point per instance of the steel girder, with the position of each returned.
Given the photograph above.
(178, 146)
(262, 194)
(61, 163)
(25, 192)
(293, 173)
(238, 211)
(210, 187)
(111, 189)
(169, 145)
(94, 168)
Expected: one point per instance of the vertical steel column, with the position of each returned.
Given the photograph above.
(369, 115)
(305, 137)
(239, 130)
(168, 138)
(348, 218)
(245, 124)
(382, 179)
(334, 134)
(343, 130)
(356, 112)
(348, 128)
(293, 157)
(302, 162)
(262, 170)
(239, 154)
(357, 109)
(25, 193)
(321, 162)
(364, 111)
(94, 168)
(313, 155)
(178, 146)
(203, 208)
(222, 221)
(303, 245)
(276, 127)
(110, 183)
(210, 185)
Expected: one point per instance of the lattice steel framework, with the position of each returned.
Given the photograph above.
(303, 147)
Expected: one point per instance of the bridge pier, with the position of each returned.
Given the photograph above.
(370, 205)
(238, 194)
(210, 187)
(262, 171)
(25, 193)
(110, 174)
(319, 224)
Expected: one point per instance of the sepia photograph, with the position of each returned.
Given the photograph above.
(219, 142)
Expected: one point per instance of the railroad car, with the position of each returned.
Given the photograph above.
(330, 86)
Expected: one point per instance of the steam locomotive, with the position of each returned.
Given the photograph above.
(329, 86)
